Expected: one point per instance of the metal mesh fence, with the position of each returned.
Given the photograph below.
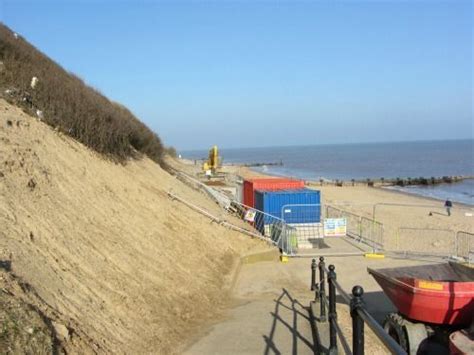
(465, 246)
(364, 229)
(219, 197)
(425, 241)
(372, 232)
(352, 220)
(274, 229)
(305, 220)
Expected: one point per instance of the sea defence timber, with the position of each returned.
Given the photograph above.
(395, 181)
(257, 164)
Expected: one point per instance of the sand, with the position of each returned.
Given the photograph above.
(105, 252)
(404, 213)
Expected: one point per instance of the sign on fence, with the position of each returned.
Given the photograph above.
(250, 215)
(335, 227)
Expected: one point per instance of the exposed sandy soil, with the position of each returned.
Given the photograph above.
(108, 255)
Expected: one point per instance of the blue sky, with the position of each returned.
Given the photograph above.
(248, 73)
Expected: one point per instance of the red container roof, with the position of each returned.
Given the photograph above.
(250, 185)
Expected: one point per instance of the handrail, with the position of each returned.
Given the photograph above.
(217, 219)
(343, 293)
(359, 313)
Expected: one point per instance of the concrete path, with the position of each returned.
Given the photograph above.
(270, 314)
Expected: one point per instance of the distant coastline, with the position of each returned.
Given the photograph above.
(407, 190)
(414, 166)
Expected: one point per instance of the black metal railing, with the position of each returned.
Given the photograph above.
(359, 314)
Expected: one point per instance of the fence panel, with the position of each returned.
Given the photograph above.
(305, 219)
(372, 233)
(465, 246)
(366, 230)
(352, 220)
(426, 241)
(274, 229)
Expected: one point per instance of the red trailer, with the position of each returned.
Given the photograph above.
(432, 300)
(268, 184)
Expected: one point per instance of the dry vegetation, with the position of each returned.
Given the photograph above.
(24, 329)
(69, 105)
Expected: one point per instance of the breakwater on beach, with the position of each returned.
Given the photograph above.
(418, 181)
(432, 164)
(457, 189)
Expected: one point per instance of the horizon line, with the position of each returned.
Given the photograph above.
(329, 144)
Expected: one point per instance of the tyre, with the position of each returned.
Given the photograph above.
(407, 334)
(394, 325)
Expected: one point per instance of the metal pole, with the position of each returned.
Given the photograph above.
(322, 289)
(313, 274)
(357, 321)
(332, 311)
(372, 228)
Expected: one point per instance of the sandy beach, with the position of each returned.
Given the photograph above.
(409, 221)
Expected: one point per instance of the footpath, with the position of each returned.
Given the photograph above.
(270, 313)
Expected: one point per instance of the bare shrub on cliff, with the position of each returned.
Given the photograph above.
(69, 105)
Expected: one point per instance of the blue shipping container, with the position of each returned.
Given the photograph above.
(272, 203)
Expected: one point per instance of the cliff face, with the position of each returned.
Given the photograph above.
(106, 255)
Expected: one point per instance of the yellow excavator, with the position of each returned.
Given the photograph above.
(213, 162)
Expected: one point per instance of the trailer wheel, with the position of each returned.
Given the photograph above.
(394, 325)
(406, 333)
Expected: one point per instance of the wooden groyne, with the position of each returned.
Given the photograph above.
(250, 165)
(409, 181)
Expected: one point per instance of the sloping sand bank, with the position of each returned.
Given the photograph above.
(110, 256)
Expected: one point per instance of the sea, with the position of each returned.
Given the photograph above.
(367, 160)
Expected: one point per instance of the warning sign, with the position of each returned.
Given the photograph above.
(250, 215)
(335, 227)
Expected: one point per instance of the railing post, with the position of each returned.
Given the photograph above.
(313, 274)
(332, 315)
(322, 290)
(357, 321)
(314, 284)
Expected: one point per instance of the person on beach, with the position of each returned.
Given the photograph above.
(448, 204)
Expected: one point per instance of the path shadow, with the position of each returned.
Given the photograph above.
(299, 313)
(318, 243)
(438, 213)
